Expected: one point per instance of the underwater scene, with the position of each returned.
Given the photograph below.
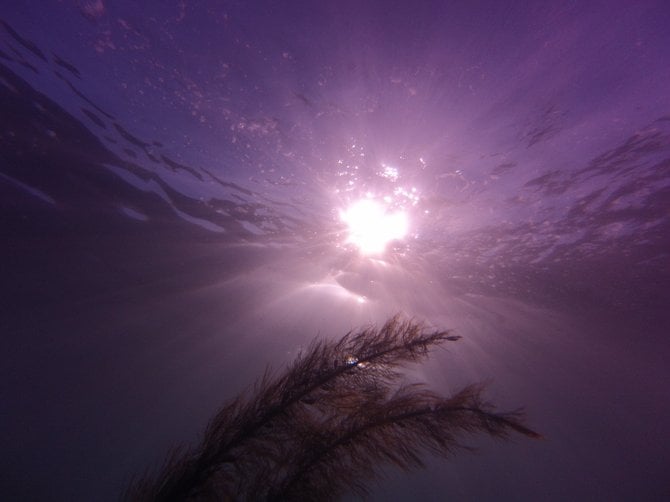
(381, 250)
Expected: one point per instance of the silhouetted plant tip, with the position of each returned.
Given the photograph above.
(327, 424)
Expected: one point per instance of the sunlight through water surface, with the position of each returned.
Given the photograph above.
(371, 226)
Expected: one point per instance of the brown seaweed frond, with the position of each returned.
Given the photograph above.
(345, 453)
(321, 427)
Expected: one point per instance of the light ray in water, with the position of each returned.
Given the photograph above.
(372, 226)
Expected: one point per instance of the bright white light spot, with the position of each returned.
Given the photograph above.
(372, 227)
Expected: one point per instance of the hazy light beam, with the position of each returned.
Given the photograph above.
(371, 226)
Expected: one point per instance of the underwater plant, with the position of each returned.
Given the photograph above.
(326, 425)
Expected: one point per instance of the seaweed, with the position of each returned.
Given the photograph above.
(328, 423)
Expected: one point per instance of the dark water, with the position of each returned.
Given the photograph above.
(171, 181)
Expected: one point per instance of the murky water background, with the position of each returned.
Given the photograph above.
(171, 181)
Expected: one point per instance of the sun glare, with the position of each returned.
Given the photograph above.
(372, 226)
